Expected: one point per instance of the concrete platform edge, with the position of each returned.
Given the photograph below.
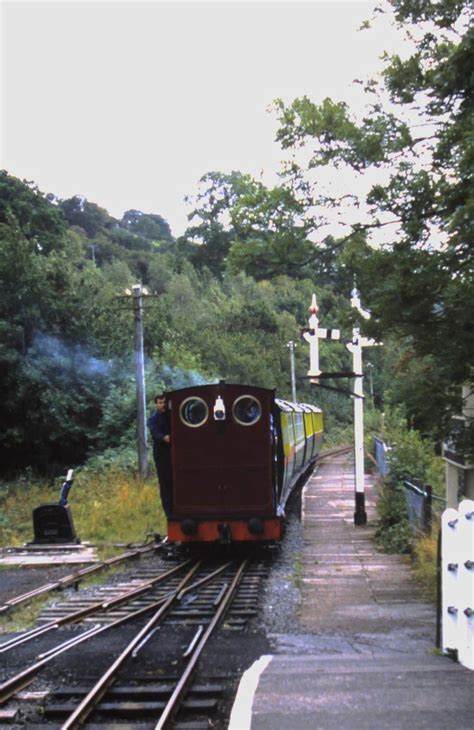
(241, 716)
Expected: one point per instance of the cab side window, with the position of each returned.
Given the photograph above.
(247, 410)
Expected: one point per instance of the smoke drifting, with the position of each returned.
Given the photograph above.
(69, 359)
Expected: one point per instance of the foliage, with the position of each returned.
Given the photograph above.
(148, 225)
(417, 131)
(66, 355)
(411, 454)
(88, 216)
(410, 457)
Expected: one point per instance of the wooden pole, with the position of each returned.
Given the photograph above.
(140, 380)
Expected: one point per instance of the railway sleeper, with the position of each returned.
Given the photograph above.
(132, 709)
(161, 689)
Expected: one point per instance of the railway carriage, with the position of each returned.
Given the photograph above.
(237, 453)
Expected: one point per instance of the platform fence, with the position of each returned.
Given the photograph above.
(420, 501)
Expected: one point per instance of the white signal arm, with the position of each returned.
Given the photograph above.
(313, 334)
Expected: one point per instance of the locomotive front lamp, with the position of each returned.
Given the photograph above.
(219, 409)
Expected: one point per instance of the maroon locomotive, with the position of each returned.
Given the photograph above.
(237, 452)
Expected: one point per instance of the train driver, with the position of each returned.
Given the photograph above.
(160, 428)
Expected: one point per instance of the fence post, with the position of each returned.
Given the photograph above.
(450, 580)
(466, 583)
(438, 589)
(427, 509)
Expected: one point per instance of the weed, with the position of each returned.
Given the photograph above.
(297, 576)
(425, 555)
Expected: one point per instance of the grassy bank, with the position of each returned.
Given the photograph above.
(108, 506)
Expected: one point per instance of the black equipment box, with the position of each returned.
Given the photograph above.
(52, 524)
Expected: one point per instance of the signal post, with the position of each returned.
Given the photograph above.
(312, 335)
(355, 347)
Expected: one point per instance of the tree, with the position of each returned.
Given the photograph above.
(420, 129)
(79, 212)
(208, 240)
(148, 225)
(41, 221)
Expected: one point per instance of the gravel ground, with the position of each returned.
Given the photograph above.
(15, 581)
(281, 596)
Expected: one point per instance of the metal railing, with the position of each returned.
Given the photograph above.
(420, 500)
(381, 449)
(420, 503)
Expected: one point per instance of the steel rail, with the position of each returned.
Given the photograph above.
(74, 578)
(89, 702)
(337, 451)
(173, 703)
(89, 610)
(23, 678)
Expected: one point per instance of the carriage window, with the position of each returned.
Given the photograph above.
(194, 412)
(247, 410)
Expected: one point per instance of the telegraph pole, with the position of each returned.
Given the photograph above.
(291, 345)
(140, 379)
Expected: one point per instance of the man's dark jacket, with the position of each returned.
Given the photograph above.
(160, 426)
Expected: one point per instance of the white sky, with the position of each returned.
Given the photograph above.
(129, 104)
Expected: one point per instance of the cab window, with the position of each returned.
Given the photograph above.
(247, 410)
(194, 412)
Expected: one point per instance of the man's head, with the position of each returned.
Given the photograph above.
(160, 402)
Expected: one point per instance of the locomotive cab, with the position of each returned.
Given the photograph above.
(222, 454)
(237, 453)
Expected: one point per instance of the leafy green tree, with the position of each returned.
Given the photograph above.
(40, 221)
(209, 238)
(148, 225)
(419, 285)
(88, 216)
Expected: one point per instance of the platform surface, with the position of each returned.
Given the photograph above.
(365, 656)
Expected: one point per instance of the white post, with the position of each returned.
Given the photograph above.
(355, 347)
(360, 515)
(291, 345)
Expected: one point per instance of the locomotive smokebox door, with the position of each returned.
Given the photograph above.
(52, 524)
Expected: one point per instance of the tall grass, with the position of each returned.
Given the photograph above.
(425, 554)
(108, 506)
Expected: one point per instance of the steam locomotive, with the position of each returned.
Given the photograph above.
(237, 452)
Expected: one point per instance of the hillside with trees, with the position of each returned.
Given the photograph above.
(234, 289)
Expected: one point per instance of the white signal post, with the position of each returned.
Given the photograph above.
(355, 347)
(312, 336)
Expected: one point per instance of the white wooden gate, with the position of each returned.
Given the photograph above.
(457, 566)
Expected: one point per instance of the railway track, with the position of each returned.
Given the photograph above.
(146, 637)
(75, 579)
(151, 649)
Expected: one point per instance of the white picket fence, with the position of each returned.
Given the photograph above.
(457, 566)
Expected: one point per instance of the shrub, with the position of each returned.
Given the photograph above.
(411, 456)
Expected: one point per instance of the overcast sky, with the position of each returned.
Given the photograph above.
(130, 103)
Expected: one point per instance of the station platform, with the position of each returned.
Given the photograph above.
(365, 657)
